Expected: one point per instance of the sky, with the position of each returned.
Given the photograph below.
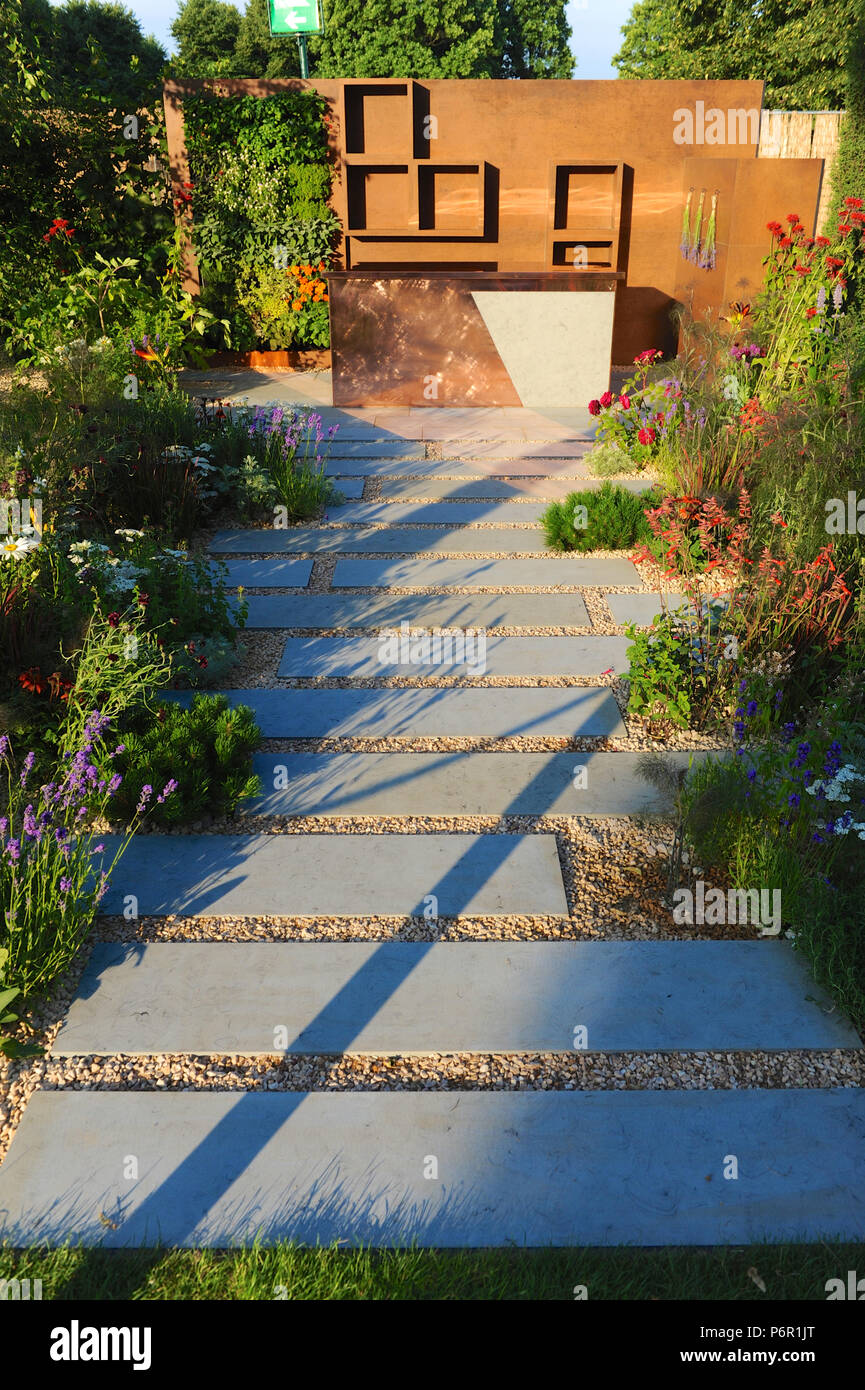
(596, 25)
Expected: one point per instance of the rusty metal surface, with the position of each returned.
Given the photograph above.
(396, 334)
(520, 172)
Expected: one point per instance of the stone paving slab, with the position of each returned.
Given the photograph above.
(414, 997)
(499, 448)
(455, 655)
(467, 488)
(534, 1169)
(635, 608)
(375, 448)
(548, 573)
(642, 608)
(385, 610)
(283, 574)
(351, 489)
(455, 513)
(454, 784)
(459, 712)
(456, 468)
(336, 875)
(403, 540)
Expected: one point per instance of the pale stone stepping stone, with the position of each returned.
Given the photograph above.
(375, 448)
(534, 1169)
(453, 653)
(349, 487)
(380, 610)
(276, 574)
(454, 513)
(638, 608)
(336, 875)
(457, 490)
(454, 784)
(518, 449)
(455, 468)
(380, 540)
(406, 997)
(462, 711)
(642, 608)
(565, 571)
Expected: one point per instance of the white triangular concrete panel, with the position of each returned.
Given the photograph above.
(555, 346)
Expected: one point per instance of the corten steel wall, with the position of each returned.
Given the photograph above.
(520, 172)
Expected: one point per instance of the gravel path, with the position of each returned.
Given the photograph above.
(614, 872)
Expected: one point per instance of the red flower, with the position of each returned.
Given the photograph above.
(61, 226)
(606, 400)
(113, 620)
(777, 518)
(774, 227)
(844, 228)
(833, 262)
(649, 355)
(823, 241)
(594, 407)
(853, 203)
(646, 436)
(792, 218)
(802, 269)
(147, 354)
(625, 402)
(143, 600)
(786, 241)
(857, 217)
(809, 313)
(33, 680)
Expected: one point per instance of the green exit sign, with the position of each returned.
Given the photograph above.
(295, 16)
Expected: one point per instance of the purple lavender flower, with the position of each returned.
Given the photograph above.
(27, 768)
(65, 885)
(13, 849)
(4, 745)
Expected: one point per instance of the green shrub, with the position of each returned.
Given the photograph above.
(609, 518)
(207, 749)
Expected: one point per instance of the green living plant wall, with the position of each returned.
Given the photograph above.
(262, 226)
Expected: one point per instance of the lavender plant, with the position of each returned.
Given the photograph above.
(53, 869)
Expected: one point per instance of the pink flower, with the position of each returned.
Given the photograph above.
(625, 402)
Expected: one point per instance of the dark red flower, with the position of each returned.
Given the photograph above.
(143, 600)
(594, 407)
(607, 400)
(113, 619)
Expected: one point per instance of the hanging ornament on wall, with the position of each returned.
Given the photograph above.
(694, 248)
(685, 242)
(707, 252)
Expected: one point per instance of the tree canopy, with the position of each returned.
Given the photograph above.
(381, 38)
(793, 45)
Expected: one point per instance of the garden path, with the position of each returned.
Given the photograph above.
(476, 1047)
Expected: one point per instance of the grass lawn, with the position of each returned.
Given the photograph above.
(797, 1272)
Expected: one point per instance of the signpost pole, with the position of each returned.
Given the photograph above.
(304, 56)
